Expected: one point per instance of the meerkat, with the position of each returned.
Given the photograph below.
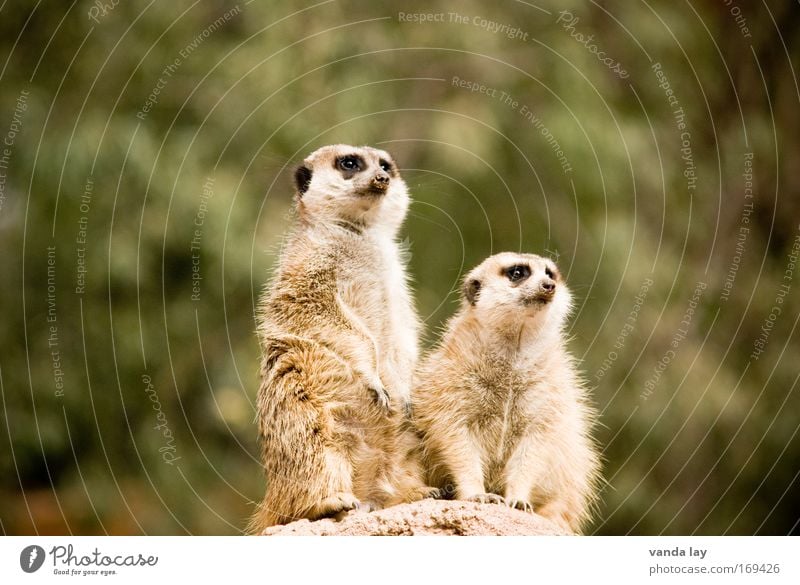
(338, 334)
(499, 402)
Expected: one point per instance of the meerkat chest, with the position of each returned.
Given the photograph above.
(394, 277)
(509, 407)
(368, 279)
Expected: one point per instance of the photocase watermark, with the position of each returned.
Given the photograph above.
(627, 329)
(168, 450)
(743, 231)
(52, 324)
(80, 237)
(680, 334)
(65, 561)
(784, 287)
(197, 236)
(171, 68)
(448, 491)
(7, 150)
(567, 20)
(741, 21)
(522, 109)
(492, 26)
(31, 558)
(101, 9)
(689, 168)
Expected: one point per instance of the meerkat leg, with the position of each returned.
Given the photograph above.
(563, 511)
(461, 456)
(573, 477)
(307, 477)
(408, 474)
(521, 471)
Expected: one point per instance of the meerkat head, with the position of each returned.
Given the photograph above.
(358, 186)
(508, 289)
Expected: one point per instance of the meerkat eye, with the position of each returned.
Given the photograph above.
(385, 165)
(518, 272)
(549, 273)
(349, 163)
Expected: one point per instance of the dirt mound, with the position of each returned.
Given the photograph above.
(427, 517)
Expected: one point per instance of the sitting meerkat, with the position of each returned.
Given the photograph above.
(339, 345)
(499, 402)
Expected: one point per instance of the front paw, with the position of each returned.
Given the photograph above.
(487, 499)
(523, 505)
(432, 493)
(425, 492)
(335, 506)
(380, 396)
(408, 409)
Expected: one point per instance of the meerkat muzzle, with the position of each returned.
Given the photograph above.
(544, 293)
(379, 183)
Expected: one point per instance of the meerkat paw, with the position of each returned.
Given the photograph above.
(487, 499)
(366, 507)
(408, 409)
(381, 396)
(432, 493)
(523, 505)
(335, 506)
(425, 492)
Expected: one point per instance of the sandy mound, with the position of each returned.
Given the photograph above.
(426, 518)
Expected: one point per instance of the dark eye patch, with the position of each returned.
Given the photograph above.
(518, 272)
(386, 166)
(548, 272)
(350, 165)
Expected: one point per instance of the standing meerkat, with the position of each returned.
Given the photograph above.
(502, 409)
(339, 345)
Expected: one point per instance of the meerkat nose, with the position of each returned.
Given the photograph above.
(382, 178)
(548, 286)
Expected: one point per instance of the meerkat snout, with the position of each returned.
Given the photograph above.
(380, 182)
(544, 290)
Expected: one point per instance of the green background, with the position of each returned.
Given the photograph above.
(711, 449)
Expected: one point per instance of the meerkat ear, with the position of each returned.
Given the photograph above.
(302, 178)
(471, 289)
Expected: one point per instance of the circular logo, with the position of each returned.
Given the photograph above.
(31, 558)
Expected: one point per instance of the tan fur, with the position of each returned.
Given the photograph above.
(501, 406)
(339, 342)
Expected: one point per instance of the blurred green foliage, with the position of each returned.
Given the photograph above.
(153, 431)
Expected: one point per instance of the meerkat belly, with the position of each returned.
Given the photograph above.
(496, 422)
(500, 437)
(510, 415)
